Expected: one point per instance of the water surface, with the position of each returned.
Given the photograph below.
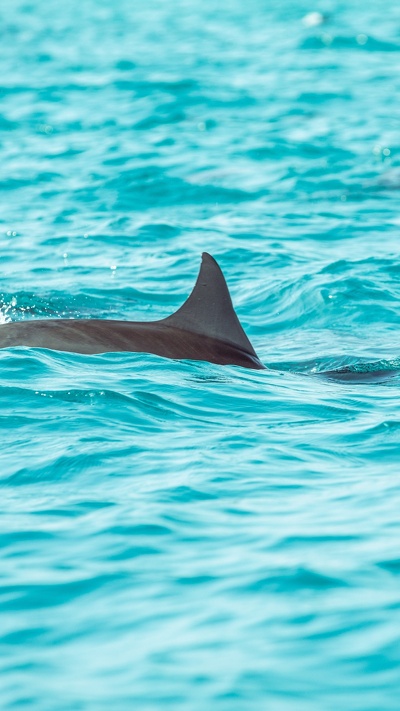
(179, 534)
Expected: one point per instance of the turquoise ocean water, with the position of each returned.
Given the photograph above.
(181, 535)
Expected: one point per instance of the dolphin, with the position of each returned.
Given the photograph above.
(205, 327)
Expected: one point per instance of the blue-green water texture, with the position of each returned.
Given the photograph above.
(179, 534)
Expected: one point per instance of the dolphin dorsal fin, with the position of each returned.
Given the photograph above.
(209, 311)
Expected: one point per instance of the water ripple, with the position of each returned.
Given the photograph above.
(180, 534)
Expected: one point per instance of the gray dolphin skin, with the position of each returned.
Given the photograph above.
(204, 328)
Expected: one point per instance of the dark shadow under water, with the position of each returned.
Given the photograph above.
(354, 372)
